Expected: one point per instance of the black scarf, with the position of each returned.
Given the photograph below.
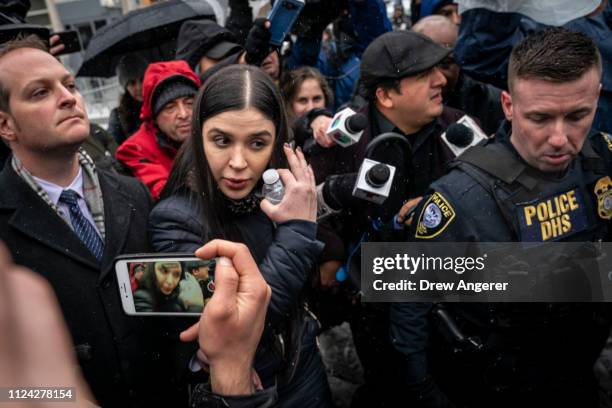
(243, 206)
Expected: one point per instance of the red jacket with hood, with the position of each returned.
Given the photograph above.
(146, 153)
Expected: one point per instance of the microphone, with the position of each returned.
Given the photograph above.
(347, 127)
(462, 135)
(374, 179)
(372, 182)
(459, 135)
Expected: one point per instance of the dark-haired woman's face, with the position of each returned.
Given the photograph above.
(309, 96)
(168, 276)
(238, 146)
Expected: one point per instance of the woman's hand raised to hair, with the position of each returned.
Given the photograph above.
(300, 199)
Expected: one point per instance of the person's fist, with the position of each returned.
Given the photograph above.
(257, 44)
(319, 128)
(233, 320)
(406, 213)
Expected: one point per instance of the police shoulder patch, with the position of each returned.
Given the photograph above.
(603, 191)
(435, 217)
(607, 138)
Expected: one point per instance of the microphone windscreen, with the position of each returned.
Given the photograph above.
(459, 135)
(356, 123)
(378, 175)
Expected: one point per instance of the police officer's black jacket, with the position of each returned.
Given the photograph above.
(479, 100)
(479, 218)
(426, 161)
(480, 207)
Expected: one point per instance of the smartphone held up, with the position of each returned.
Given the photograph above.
(282, 17)
(164, 284)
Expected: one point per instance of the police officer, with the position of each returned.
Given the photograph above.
(403, 85)
(402, 82)
(545, 177)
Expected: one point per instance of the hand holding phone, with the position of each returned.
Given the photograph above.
(65, 42)
(232, 323)
(257, 44)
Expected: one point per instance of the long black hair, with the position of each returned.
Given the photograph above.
(236, 87)
(150, 283)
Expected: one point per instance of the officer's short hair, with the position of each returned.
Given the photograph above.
(370, 85)
(21, 41)
(555, 55)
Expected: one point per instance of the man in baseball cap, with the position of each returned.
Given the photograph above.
(400, 77)
(402, 85)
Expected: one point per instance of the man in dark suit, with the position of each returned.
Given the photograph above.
(67, 221)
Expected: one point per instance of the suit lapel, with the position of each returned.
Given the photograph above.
(34, 218)
(118, 214)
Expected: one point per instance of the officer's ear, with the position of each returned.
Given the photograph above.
(8, 127)
(599, 90)
(506, 103)
(383, 98)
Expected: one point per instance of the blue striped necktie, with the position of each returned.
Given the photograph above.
(82, 227)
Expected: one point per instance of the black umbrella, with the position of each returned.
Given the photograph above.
(150, 31)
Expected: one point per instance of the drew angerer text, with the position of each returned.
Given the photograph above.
(425, 285)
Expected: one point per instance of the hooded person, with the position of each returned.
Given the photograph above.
(207, 47)
(203, 43)
(124, 120)
(168, 92)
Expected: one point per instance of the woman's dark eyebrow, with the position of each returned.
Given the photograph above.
(221, 132)
(263, 133)
(260, 134)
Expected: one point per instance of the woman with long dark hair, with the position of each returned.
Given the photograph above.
(239, 131)
(160, 289)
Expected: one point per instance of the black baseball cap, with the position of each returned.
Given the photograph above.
(399, 54)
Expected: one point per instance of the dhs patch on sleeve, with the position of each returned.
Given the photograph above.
(603, 191)
(607, 138)
(437, 214)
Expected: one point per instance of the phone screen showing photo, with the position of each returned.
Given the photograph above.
(170, 285)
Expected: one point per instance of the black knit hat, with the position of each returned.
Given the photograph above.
(131, 67)
(171, 88)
